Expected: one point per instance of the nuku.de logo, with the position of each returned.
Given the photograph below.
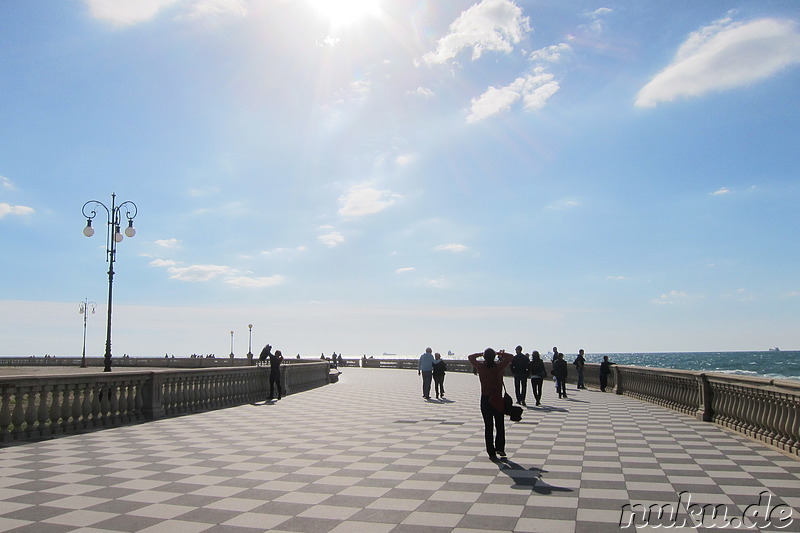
(668, 515)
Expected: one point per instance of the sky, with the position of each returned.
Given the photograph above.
(380, 176)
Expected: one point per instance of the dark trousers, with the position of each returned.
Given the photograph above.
(273, 381)
(536, 388)
(580, 379)
(603, 382)
(426, 383)
(438, 382)
(561, 387)
(521, 387)
(493, 416)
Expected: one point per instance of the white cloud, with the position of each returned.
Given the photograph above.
(198, 272)
(6, 183)
(126, 12)
(279, 251)
(564, 204)
(534, 90)
(20, 210)
(452, 247)
(494, 25)
(724, 55)
(332, 239)
(721, 191)
(616, 278)
(167, 243)
(213, 8)
(550, 54)
(596, 26)
(243, 282)
(673, 297)
(404, 159)
(162, 263)
(404, 270)
(356, 92)
(422, 91)
(362, 200)
(439, 283)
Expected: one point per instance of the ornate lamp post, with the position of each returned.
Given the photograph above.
(250, 343)
(83, 308)
(231, 344)
(113, 236)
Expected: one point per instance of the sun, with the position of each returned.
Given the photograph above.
(345, 12)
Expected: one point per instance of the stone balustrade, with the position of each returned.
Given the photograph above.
(48, 406)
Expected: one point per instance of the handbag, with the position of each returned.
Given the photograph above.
(505, 405)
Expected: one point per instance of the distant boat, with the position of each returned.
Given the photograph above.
(384, 353)
(775, 349)
(450, 352)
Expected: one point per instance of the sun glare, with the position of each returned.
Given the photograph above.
(345, 12)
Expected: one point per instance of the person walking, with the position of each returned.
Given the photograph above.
(490, 373)
(519, 369)
(538, 373)
(425, 368)
(439, 368)
(560, 373)
(275, 360)
(580, 363)
(605, 370)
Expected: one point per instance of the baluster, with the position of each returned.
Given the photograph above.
(5, 412)
(138, 400)
(793, 425)
(122, 404)
(113, 404)
(18, 416)
(86, 405)
(56, 390)
(783, 436)
(30, 411)
(769, 422)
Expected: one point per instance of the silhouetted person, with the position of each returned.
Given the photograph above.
(560, 372)
(425, 368)
(490, 373)
(605, 370)
(439, 368)
(538, 373)
(580, 363)
(275, 361)
(519, 369)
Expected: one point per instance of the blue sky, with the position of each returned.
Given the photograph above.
(368, 176)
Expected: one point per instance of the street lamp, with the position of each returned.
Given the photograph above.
(83, 308)
(113, 236)
(250, 343)
(231, 344)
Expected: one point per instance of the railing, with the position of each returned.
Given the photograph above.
(48, 406)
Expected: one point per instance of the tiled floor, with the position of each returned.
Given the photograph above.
(370, 455)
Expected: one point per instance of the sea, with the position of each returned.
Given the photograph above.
(773, 364)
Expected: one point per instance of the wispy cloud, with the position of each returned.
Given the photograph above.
(163, 263)
(673, 297)
(216, 8)
(167, 243)
(20, 210)
(126, 13)
(331, 239)
(362, 200)
(721, 191)
(722, 56)
(550, 54)
(244, 282)
(494, 25)
(403, 270)
(533, 89)
(422, 91)
(451, 247)
(564, 204)
(616, 278)
(7, 184)
(198, 272)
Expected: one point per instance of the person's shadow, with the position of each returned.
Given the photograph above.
(528, 479)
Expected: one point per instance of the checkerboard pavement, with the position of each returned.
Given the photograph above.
(369, 455)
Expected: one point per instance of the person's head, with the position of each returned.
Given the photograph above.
(489, 356)
(605, 358)
(519, 349)
(560, 355)
(580, 352)
(428, 350)
(535, 355)
(437, 356)
(278, 353)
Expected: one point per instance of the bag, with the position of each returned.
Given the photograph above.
(505, 405)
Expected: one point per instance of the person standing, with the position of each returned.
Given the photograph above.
(560, 373)
(275, 360)
(425, 368)
(439, 368)
(490, 373)
(605, 370)
(538, 373)
(519, 369)
(580, 363)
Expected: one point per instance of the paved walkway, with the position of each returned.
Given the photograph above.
(369, 455)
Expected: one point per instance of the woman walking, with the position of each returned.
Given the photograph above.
(538, 373)
(560, 373)
(490, 373)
